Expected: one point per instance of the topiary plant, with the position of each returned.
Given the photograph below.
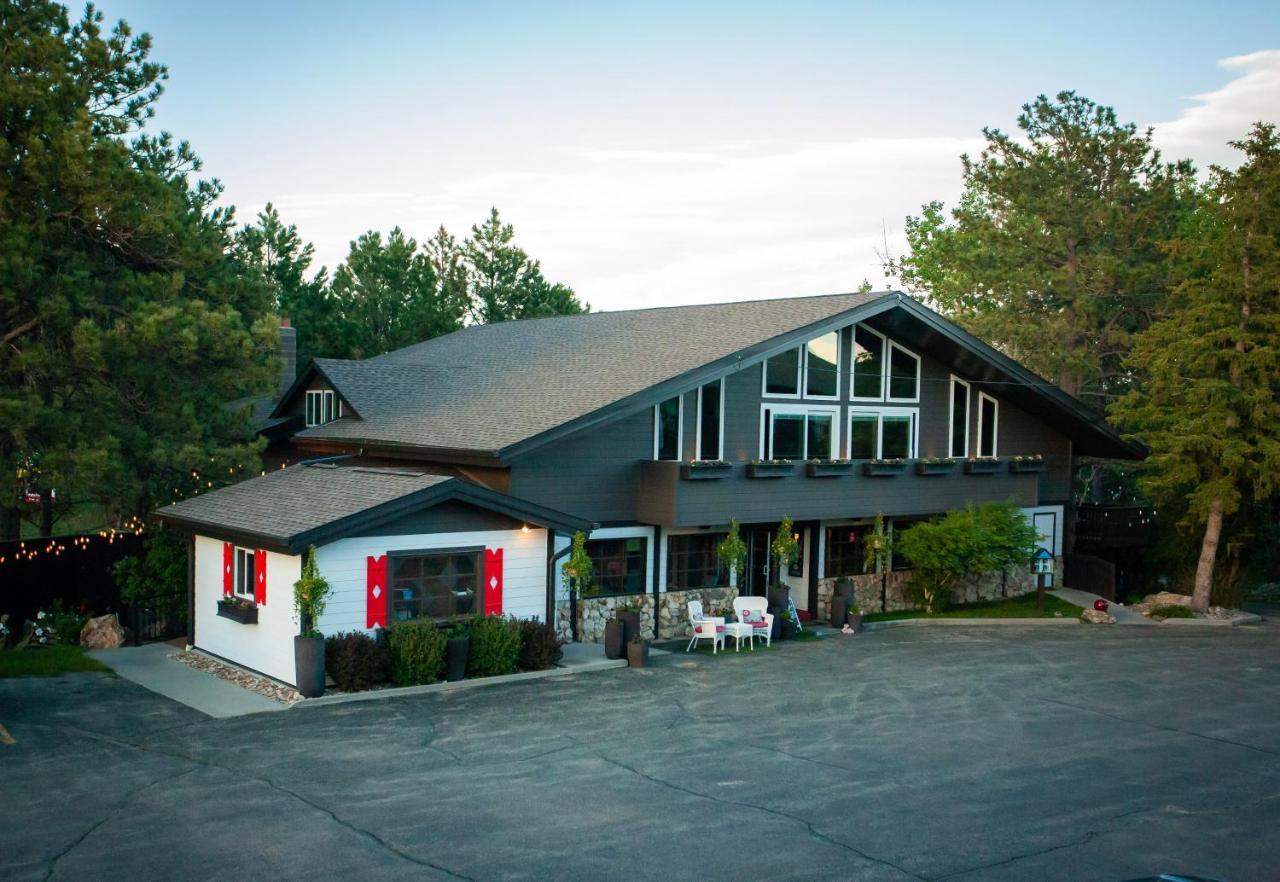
(732, 553)
(495, 646)
(785, 547)
(310, 594)
(417, 652)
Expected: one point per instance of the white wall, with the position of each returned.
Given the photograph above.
(266, 647)
(345, 564)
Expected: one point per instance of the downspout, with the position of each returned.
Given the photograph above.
(657, 557)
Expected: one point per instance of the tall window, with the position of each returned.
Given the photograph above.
(846, 550)
(813, 369)
(959, 438)
(988, 424)
(619, 564)
(711, 420)
(799, 433)
(667, 417)
(904, 374)
(883, 433)
(322, 407)
(868, 363)
(692, 562)
(782, 374)
(436, 585)
(244, 574)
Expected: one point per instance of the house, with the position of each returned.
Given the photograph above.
(449, 476)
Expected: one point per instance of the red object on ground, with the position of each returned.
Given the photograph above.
(493, 581)
(376, 602)
(1100, 605)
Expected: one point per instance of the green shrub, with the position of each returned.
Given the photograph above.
(356, 661)
(1171, 611)
(495, 646)
(65, 622)
(540, 648)
(417, 652)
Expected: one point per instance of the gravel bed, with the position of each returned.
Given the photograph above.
(261, 685)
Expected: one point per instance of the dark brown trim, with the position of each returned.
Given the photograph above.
(814, 528)
(191, 590)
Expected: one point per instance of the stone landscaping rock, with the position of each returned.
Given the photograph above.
(103, 632)
(1097, 617)
(1162, 598)
(261, 685)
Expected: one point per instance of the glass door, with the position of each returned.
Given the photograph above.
(758, 540)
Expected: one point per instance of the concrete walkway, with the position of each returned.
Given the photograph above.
(150, 667)
(1124, 615)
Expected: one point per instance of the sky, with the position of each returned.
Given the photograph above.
(659, 153)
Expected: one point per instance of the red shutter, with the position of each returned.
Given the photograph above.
(260, 572)
(376, 599)
(228, 566)
(493, 581)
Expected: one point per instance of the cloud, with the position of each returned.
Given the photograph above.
(1202, 132)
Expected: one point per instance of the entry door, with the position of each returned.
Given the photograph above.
(758, 540)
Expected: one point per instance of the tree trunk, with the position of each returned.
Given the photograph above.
(46, 513)
(1208, 555)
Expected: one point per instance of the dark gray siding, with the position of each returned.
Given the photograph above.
(447, 517)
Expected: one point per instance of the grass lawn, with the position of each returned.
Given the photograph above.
(49, 661)
(1023, 607)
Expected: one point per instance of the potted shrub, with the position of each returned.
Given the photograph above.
(732, 553)
(580, 574)
(785, 549)
(615, 642)
(790, 627)
(629, 614)
(456, 650)
(853, 618)
(310, 593)
(638, 652)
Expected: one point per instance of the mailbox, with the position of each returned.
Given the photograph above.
(1042, 566)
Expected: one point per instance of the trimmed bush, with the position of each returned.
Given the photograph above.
(356, 661)
(417, 652)
(495, 646)
(540, 648)
(1171, 611)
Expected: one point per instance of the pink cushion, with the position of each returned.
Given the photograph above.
(759, 624)
(719, 629)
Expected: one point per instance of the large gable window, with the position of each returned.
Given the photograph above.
(883, 433)
(958, 443)
(711, 420)
(799, 433)
(436, 585)
(619, 564)
(323, 406)
(782, 374)
(904, 374)
(868, 364)
(812, 370)
(988, 424)
(667, 418)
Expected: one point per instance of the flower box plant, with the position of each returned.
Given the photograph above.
(828, 468)
(933, 465)
(1026, 464)
(982, 465)
(883, 468)
(705, 470)
(770, 468)
(238, 609)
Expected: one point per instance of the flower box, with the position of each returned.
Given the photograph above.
(828, 468)
(1026, 464)
(776, 468)
(704, 470)
(987, 465)
(935, 466)
(884, 468)
(245, 615)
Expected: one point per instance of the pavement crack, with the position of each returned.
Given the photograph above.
(813, 831)
(1158, 728)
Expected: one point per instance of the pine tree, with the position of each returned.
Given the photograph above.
(1209, 404)
(505, 283)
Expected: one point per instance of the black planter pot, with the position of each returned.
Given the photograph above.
(630, 623)
(778, 596)
(245, 615)
(844, 588)
(788, 630)
(839, 606)
(854, 621)
(456, 652)
(984, 466)
(308, 665)
(614, 639)
(638, 654)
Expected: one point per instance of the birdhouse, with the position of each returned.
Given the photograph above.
(1042, 562)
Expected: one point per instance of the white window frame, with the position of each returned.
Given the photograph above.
(313, 411)
(657, 425)
(697, 428)
(327, 407)
(764, 375)
(804, 369)
(951, 416)
(880, 413)
(853, 361)
(995, 429)
(769, 411)
(888, 373)
(237, 576)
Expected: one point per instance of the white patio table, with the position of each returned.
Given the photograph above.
(739, 630)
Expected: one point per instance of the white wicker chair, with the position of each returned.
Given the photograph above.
(753, 610)
(704, 628)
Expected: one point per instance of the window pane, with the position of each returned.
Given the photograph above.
(311, 409)
(692, 562)
(897, 437)
(435, 586)
(819, 436)
(619, 565)
(868, 363)
(821, 375)
(669, 429)
(959, 418)
(987, 436)
(788, 436)
(846, 555)
(709, 422)
(902, 374)
(780, 373)
(862, 436)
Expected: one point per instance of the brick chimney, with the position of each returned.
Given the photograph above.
(288, 355)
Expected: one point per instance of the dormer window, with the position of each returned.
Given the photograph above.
(323, 406)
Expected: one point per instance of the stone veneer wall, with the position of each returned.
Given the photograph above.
(673, 612)
(988, 586)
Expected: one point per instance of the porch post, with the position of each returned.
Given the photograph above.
(191, 590)
(657, 585)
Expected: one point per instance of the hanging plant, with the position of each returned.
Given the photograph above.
(578, 570)
(732, 552)
(785, 547)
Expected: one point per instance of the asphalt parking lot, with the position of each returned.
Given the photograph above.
(1050, 753)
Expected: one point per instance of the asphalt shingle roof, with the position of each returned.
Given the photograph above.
(491, 386)
(292, 501)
